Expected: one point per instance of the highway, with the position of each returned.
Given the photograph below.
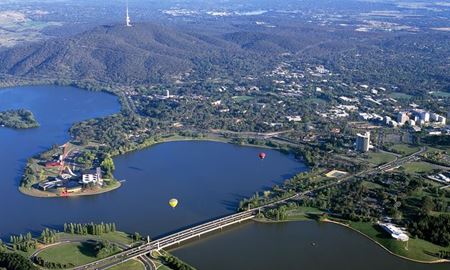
(217, 224)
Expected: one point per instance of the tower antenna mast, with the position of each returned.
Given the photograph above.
(127, 20)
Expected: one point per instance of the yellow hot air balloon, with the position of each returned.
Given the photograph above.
(173, 203)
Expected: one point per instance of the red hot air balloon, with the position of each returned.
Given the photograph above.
(262, 155)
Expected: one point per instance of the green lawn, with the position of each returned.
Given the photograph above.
(74, 253)
(405, 149)
(380, 158)
(302, 213)
(129, 265)
(399, 95)
(417, 249)
(371, 185)
(117, 237)
(418, 167)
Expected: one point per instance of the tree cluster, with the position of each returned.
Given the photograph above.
(23, 242)
(89, 228)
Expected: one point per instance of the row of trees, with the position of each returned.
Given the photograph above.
(89, 228)
(49, 236)
(23, 242)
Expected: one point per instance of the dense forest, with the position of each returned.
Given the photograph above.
(18, 119)
(151, 53)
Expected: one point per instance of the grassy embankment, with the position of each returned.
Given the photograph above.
(80, 250)
(378, 158)
(416, 250)
(404, 149)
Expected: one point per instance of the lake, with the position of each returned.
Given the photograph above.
(207, 178)
(292, 246)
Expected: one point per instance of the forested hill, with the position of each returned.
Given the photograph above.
(140, 54)
(150, 53)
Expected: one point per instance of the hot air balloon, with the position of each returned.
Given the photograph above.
(262, 155)
(173, 203)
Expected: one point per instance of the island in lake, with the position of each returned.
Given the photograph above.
(19, 119)
(73, 169)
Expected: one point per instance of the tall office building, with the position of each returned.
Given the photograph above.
(363, 142)
(402, 118)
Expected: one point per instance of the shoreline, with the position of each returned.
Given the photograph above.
(383, 247)
(268, 221)
(42, 194)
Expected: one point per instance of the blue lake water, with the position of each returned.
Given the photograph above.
(207, 178)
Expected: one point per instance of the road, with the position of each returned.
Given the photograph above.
(197, 231)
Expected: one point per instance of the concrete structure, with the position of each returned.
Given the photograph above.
(402, 118)
(50, 184)
(396, 232)
(363, 142)
(424, 115)
(92, 177)
(170, 240)
(441, 178)
(296, 118)
(127, 19)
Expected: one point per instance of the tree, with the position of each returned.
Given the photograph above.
(427, 205)
(108, 166)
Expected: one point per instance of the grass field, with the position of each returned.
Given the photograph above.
(302, 213)
(418, 167)
(404, 149)
(70, 253)
(117, 237)
(417, 249)
(380, 158)
(400, 95)
(441, 94)
(129, 265)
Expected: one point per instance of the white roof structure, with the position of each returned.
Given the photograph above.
(394, 231)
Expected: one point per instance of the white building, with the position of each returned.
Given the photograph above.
(363, 142)
(402, 118)
(94, 178)
(422, 114)
(296, 118)
(394, 231)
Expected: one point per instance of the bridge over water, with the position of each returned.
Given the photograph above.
(170, 240)
(217, 224)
